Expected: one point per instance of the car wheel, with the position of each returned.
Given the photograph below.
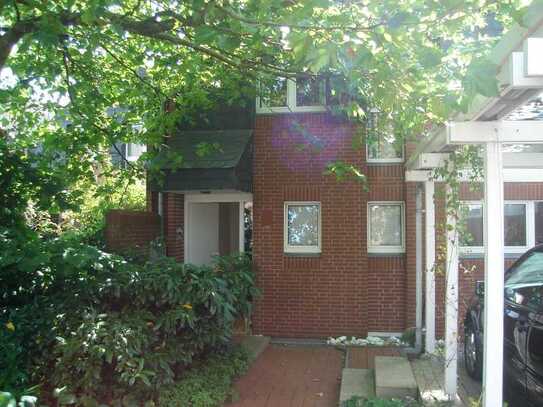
(472, 354)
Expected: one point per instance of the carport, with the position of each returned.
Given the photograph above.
(493, 123)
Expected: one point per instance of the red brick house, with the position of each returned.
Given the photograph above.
(332, 257)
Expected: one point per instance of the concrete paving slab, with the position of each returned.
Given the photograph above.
(356, 382)
(394, 377)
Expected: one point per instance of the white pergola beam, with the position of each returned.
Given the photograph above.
(430, 251)
(494, 277)
(509, 132)
(509, 175)
(533, 56)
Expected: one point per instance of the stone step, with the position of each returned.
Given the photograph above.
(356, 382)
(394, 377)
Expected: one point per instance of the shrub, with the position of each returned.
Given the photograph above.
(208, 383)
(97, 327)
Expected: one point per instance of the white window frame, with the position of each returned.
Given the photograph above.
(301, 249)
(132, 157)
(384, 160)
(386, 249)
(530, 229)
(291, 106)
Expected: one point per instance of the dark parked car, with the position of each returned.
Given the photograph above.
(523, 331)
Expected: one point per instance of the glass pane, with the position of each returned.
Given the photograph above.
(538, 222)
(381, 140)
(515, 224)
(303, 225)
(310, 92)
(274, 94)
(385, 225)
(524, 286)
(472, 233)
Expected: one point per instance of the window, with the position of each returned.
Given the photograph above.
(472, 233)
(273, 95)
(133, 151)
(515, 225)
(302, 227)
(381, 145)
(303, 94)
(522, 228)
(310, 92)
(524, 283)
(386, 227)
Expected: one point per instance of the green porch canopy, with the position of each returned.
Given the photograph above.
(226, 164)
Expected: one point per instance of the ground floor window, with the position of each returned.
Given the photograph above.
(523, 226)
(302, 227)
(386, 227)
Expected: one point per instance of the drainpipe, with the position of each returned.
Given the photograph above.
(418, 266)
(161, 213)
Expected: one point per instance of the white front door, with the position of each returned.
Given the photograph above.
(203, 232)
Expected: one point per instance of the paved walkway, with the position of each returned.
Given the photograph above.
(292, 376)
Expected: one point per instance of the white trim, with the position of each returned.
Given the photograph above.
(219, 197)
(529, 226)
(522, 175)
(386, 249)
(451, 309)
(301, 249)
(494, 277)
(501, 131)
(385, 334)
(291, 106)
(430, 253)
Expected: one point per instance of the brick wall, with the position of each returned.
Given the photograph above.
(174, 224)
(131, 230)
(342, 290)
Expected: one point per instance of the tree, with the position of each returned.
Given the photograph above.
(80, 75)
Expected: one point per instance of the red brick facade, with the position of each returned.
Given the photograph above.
(131, 230)
(343, 290)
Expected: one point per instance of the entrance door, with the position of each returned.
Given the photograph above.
(215, 225)
(203, 232)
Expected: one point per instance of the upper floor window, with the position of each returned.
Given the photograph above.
(381, 143)
(134, 151)
(303, 94)
(522, 226)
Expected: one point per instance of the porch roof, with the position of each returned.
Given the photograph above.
(225, 165)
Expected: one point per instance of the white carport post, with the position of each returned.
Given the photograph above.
(494, 276)
(430, 249)
(451, 308)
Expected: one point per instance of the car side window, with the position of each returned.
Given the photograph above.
(524, 285)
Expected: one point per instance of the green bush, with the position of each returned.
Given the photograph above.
(209, 381)
(96, 327)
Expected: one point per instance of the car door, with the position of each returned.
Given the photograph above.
(523, 329)
(534, 349)
(514, 355)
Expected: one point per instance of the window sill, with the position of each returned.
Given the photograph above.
(481, 256)
(381, 163)
(308, 254)
(387, 254)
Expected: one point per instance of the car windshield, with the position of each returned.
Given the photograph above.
(524, 285)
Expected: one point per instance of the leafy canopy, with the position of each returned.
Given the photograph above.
(80, 75)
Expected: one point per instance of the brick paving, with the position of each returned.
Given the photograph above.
(292, 376)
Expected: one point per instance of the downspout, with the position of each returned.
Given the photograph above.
(160, 211)
(418, 267)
